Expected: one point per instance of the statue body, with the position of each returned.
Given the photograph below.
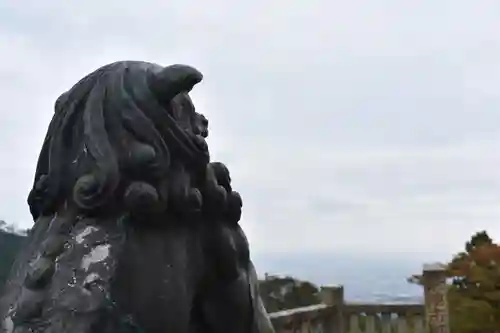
(135, 230)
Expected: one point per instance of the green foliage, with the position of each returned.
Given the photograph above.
(474, 292)
(281, 293)
(10, 244)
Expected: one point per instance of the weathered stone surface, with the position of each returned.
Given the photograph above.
(135, 230)
(40, 273)
(52, 247)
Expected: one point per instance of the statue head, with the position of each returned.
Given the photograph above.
(126, 145)
(118, 136)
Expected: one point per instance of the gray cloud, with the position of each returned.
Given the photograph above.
(368, 126)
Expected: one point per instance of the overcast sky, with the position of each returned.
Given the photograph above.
(350, 126)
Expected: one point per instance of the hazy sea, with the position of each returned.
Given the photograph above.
(365, 278)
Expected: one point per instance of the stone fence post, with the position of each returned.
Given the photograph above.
(334, 296)
(436, 303)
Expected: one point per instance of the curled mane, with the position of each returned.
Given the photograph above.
(117, 121)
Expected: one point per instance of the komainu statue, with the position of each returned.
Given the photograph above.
(135, 229)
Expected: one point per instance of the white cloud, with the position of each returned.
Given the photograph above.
(378, 200)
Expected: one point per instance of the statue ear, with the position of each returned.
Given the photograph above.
(173, 80)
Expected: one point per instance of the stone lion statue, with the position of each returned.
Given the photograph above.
(135, 229)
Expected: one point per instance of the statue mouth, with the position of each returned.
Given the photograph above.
(201, 131)
(200, 142)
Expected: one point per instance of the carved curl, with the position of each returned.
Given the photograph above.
(222, 202)
(125, 123)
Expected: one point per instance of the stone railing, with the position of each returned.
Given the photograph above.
(334, 315)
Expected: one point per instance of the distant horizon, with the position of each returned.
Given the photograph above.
(364, 277)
